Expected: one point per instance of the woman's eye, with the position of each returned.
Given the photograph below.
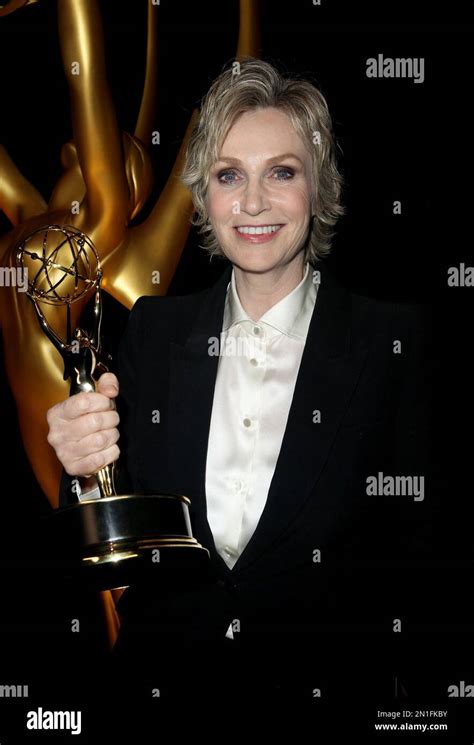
(283, 174)
(280, 173)
(222, 176)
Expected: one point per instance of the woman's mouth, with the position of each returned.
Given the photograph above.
(257, 233)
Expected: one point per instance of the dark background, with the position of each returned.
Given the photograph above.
(398, 139)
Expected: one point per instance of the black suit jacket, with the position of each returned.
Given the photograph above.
(329, 568)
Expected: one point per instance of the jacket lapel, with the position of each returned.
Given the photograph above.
(193, 374)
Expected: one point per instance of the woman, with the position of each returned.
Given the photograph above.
(280, 394)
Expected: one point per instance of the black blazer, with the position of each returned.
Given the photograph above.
(366, 367)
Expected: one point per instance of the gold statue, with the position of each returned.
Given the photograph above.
(106, 180)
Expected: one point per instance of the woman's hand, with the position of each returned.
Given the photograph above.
(83, 428)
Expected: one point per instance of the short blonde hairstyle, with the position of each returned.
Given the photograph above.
(250, 84)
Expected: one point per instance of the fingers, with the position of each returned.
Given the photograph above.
(80, 404)
(100, 400)
(83, 429)
(74, 450)
(92, 463)
(108, 385)
(89, 424)
(82, 426)
(86, 444)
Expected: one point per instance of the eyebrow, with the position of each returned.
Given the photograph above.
(275, 159)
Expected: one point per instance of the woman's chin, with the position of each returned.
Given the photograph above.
(253, 258)
(255, 265)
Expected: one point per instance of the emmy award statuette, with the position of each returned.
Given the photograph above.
(116, 540)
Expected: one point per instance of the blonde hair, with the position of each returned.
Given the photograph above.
(251, 84)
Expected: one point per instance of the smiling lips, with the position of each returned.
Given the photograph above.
(257, 233)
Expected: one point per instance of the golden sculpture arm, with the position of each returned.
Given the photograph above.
(250, 38)
(70, 185)
(18, 198)
(147, 114)
(158, 242)
(97, 137)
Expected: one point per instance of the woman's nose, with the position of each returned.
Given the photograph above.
(254, 199)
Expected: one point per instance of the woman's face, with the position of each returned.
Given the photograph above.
(263, 178)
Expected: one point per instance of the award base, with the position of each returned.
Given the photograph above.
(128, 539)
